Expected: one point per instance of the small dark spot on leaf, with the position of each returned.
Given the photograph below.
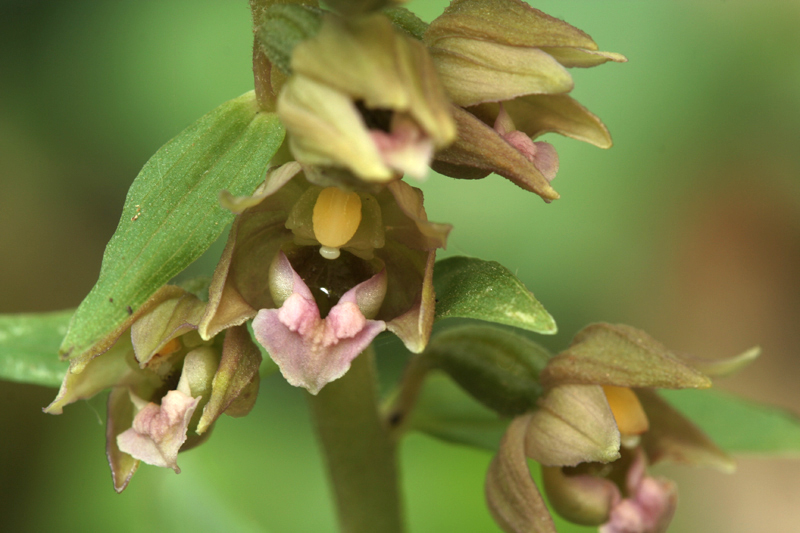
(395, 418)
(111, 300)
(130, 311)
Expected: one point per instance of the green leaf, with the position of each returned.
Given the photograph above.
(497, 367)
(281, 27)
(172, 215)
(29, 347)
(486, 290)
(445, 411)
(738, 425)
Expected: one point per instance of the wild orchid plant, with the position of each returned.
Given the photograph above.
(329, 247)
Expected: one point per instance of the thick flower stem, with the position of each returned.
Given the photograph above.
(358, 451)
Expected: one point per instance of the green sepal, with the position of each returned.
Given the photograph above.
(486, 290)
(407, 21)
(172, 215)
(284, 26)
(497, 367)
(738, 425)
(29, 347)
(351, 8)
(620, 355)
(444, 411)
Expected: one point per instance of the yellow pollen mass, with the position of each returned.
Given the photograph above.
(336, 217)
(628, 412)
(170, 347)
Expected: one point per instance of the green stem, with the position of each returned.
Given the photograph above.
(358, 450)
(399, 408)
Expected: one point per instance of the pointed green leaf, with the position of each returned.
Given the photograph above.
(738, 425)
(445, 411)
(486, 290)
(29, 347)
(172, 214)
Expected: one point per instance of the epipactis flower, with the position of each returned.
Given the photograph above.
(323, 270)
(168, 385)
(365, 97)
(504, 62)
(596, 428)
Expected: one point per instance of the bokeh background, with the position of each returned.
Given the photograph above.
(688, 228)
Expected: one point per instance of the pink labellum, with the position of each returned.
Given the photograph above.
(312, 351)
(649, 506)
(159, 431)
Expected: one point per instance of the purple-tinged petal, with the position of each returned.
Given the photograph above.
(480, 146)
(309, 350)
(257, 234)
(119, 419)
(235, 384)
(415, 325)
(406, 221)
(226, 305)
(543, 155)
(513, 499)
(159, 431)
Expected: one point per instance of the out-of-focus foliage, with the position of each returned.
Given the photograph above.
(740, 426)
(26, 347)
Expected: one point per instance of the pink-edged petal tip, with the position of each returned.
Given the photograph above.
(312, 351)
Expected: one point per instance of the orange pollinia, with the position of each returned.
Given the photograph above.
(627, 410)
(336, 217)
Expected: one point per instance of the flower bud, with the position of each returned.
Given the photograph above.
(356, 7)
(573, 424)
(496, 50)
(581, 499)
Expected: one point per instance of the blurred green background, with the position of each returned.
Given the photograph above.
(688, 228)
